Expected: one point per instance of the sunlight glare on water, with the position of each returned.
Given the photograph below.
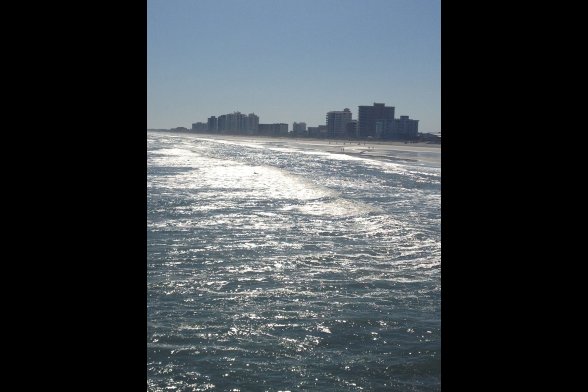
(276, 268)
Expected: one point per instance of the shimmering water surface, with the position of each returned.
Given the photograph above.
(280, 268)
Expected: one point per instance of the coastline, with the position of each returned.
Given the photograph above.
(380, 150)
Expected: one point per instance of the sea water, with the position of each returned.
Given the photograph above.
(280, 268)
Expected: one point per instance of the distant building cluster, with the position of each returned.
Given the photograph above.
(239, 123)
(377, 121)
(235, 122)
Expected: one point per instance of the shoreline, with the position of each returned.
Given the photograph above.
(380, 150)
(303, 139)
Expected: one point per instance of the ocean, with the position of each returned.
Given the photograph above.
(276, 265)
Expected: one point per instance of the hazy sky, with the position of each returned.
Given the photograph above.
(292, 60)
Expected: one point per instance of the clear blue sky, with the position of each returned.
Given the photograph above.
(292, 60)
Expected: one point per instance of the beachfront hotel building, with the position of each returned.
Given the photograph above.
(337, 123)
(405, 128)
(236, 122)
(402, 128)
(212, 124)
(250, 124)
(351, 129)
(368, 116)
(299, 129)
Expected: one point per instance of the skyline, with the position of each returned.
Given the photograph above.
(292, 61)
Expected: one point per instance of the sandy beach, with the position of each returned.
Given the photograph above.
(387, 151)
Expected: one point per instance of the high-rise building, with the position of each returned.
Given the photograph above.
(212, 124)
(235, 121)
(405, 128)
(369, 115)
(299, 129)
(337, 122)
(231, 123)
(351, 129)
(251, 123)
(222, 123)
